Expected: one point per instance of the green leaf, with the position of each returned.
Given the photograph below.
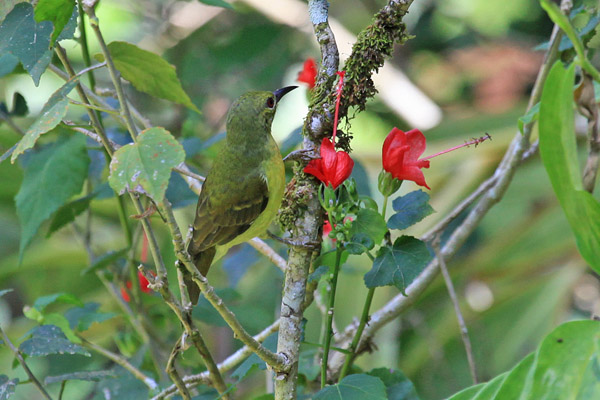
(42, 302)
(68, 212)
(93, 376)
(145, 166)
(565, 366)
(531, 116)
(49, 339)
(148, 73)
(398, 265)
(27, 40)
(81, 318)
(398, 386)
(51, 177)
(56, 11)
(8, 62)
(410, 209)
(105, 260)
(354, 387)
(7, 387)
(558, 149)
(359, 243)
(217, 3)
(61, 322)
(371, 223)
(50, 116)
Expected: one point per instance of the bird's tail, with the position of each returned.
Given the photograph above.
(202, 260)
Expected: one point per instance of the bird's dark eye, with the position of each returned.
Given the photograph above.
(270, 102)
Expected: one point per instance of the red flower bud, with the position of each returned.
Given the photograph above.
(400, 154)
(334, 167)
(308, 73)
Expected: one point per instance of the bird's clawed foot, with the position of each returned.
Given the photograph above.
(311, 245)
(304, 155)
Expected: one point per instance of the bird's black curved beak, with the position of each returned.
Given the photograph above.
(279, 93)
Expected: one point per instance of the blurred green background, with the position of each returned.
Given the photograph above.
(473, 62)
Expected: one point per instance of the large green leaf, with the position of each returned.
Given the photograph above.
(49, 339)
(8, 62)
(399, 264)
(7, 387)
(354, 387)
(410, 209)
(81, 318)
(565, 366)
(51, 177)
(558, 149)
(369, 222)
(398, 386)
(29, 41)
(58, 12)
(42, 302)
(145, 166)
(148, 73)
(50, 116)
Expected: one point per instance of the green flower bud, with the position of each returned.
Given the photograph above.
(387, 184)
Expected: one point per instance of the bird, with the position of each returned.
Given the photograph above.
(244, 187)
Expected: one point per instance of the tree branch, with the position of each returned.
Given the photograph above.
(306, 216)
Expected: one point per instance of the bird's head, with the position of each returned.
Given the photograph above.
(254, 111)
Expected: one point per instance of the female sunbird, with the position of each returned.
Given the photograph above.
(243, 189)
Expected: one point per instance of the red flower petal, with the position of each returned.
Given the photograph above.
(400, 155)
(308, 73)
(333, 168)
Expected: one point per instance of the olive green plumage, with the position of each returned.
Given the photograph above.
(244, 188)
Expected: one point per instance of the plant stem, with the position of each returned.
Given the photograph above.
(356, 340)
(329, 333)
(464, 332)
(120, 360)
(384, 207)
(114, 73)
(21, 360)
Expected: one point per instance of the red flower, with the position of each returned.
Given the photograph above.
(308, 73)
(327, 228)
(334, 167)
(400, 154)
(143, 286)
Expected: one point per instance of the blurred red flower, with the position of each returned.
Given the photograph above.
(308, 73)
(143, 286)
(400, 154)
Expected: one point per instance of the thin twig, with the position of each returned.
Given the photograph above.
(21, 360)
(172, 371)
(268, 251)
(62, 55)
(120, 360)
(464, 332)
(113, 71)
(6, 118)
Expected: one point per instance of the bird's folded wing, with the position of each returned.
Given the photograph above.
(220, 217)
